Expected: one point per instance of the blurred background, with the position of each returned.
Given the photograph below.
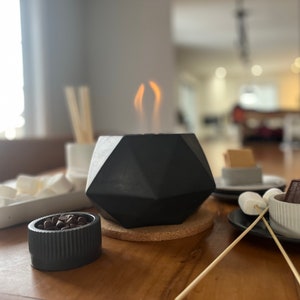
(225, 68)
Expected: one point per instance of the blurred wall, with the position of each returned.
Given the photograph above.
(111, 46)
(129, 44)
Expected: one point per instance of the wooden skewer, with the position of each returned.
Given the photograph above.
(80, 116)
(84, 97)
(220, 257)
(74, 113)
(288, 260)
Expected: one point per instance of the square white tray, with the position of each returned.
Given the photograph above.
(28, 210)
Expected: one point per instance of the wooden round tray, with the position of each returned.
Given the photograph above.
(196, 223)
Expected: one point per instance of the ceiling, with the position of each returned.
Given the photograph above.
(206, 36)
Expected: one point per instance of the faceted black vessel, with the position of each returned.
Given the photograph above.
(150, 179)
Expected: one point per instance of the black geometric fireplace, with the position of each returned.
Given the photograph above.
(149, 179)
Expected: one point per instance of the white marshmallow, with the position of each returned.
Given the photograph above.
(78, 180)
(45, 193)
(59, 184)
(7, 192)
(248, 202)
(269, 193)
(27, 184)
(43, 181)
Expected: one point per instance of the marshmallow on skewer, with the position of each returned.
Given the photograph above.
(251, 203)
(248, 201)
(270, 192)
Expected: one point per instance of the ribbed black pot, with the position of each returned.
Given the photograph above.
(56, 250)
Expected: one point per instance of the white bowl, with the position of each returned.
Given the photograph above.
(284, 216)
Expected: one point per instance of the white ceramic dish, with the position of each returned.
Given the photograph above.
(27, 210)
(230, 192)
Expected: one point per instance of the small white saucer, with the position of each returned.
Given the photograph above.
(230, 192)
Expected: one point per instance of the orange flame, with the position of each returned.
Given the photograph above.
(138, 103)
(157, 94)
(138, 100)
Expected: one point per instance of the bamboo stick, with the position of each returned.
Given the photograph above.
(74, 113)
(193, 284)
(84, 96)
(288, 260)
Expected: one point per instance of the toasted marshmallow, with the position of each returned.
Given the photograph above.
(250, 201)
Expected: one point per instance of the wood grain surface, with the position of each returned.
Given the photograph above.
(254, 269)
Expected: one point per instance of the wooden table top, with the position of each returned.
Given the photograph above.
(254, 268)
